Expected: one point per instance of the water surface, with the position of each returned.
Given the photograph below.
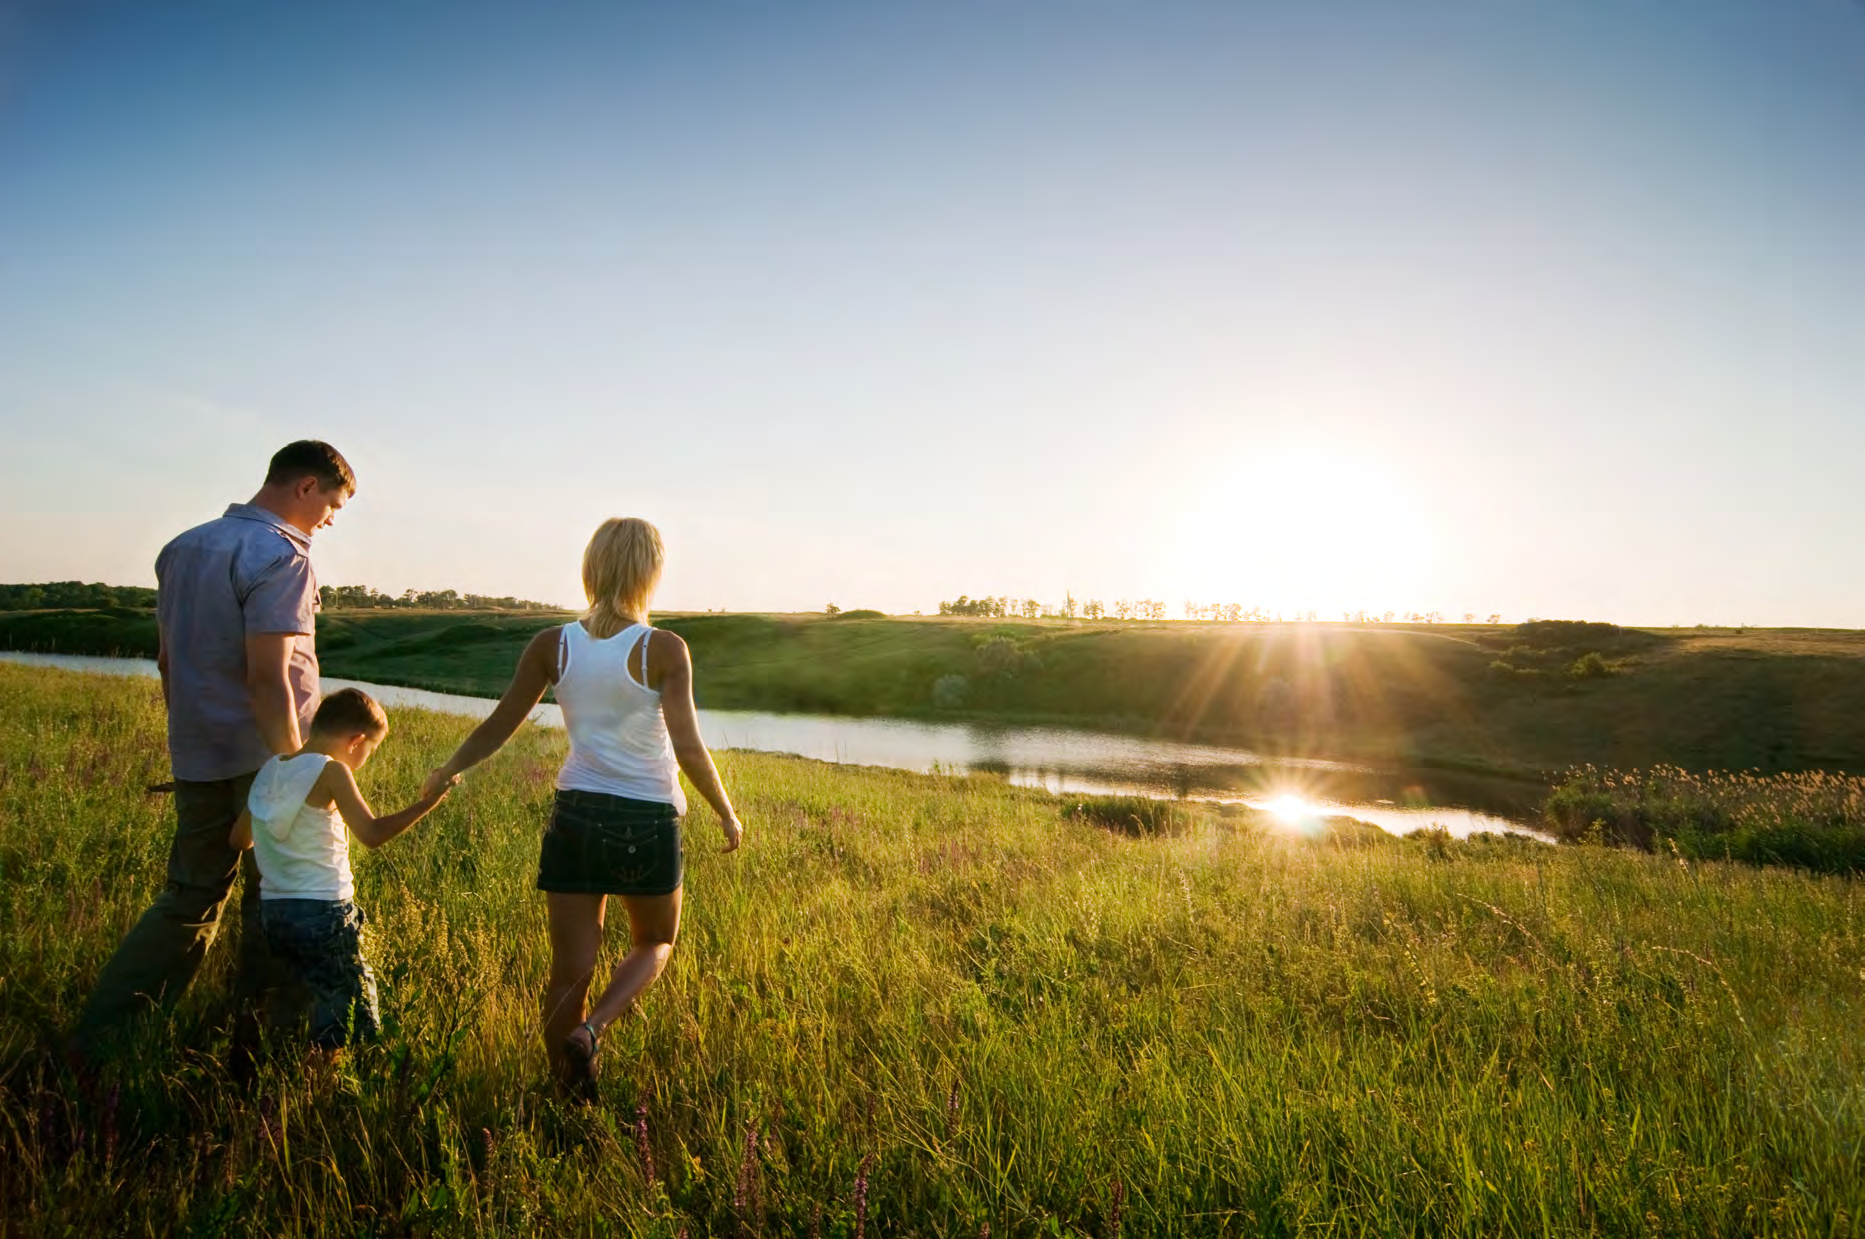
(1066, 761)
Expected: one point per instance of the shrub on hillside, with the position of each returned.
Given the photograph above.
(1133, 815)
(1589, 666)
(1553, 650)
(1567, 634)
(1001, 656)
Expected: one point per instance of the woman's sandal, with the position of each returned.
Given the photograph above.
(581, 1063)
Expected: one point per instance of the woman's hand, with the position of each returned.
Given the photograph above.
(733, 832)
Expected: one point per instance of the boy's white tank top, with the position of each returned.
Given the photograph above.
(618, 737)
(302, 853)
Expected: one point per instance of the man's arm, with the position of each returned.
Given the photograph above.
(161, 659)
(279, 606)
(268, 687)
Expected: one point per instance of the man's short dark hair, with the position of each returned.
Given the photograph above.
(311, 458)
(349, 712)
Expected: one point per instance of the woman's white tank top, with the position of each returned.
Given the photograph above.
(618, 738)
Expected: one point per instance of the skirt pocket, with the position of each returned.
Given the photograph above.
(600, 844)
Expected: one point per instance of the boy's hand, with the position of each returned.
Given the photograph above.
(734, 832)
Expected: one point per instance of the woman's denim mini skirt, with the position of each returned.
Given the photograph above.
(599, 844)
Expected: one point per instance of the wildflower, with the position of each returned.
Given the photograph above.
(745, 1195)
(861, 1194)
(641, 1144)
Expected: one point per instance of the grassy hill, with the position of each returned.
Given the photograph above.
(1529, 698)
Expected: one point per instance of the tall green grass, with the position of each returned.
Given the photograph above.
(1813, 820)
(977, 1005)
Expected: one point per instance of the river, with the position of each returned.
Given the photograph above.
(1062, 760)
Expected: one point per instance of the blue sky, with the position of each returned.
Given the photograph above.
(1549, 309)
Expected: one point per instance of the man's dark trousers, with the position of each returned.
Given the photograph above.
(162, 952)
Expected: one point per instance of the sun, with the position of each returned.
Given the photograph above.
(1307, 531)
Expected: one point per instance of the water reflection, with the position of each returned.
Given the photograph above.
(1058, 759)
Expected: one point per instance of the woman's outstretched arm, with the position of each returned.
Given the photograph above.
(676, 689)
(529, 681)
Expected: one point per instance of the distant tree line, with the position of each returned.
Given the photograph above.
(1004, 607)
(76, 595)
(363, 598)
(73, 595)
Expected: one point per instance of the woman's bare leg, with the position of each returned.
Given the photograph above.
(653, 923)
(575, 936)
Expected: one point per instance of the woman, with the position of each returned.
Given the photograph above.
(627, 695)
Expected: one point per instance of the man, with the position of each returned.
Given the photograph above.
(236, 605)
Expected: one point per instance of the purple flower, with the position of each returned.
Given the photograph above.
(861, 1194)
(642, 1146)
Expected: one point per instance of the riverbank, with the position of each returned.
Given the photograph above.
(1063, 760)
(1525, 700)
(977, 1002)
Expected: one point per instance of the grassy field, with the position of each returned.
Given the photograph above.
(917, 1005)
(1525, 699)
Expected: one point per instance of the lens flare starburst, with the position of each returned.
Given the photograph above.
(1290, 807)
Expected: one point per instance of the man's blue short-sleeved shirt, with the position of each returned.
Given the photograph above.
(245, 574)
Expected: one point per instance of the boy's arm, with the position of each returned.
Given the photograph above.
(375, 831)
(241, 836)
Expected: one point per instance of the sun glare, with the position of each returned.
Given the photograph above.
(1290, 807)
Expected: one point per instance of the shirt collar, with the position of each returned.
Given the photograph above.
(253, 512)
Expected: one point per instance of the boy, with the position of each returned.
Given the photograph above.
(295, 823)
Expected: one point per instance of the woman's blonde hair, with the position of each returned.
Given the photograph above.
(621, 567)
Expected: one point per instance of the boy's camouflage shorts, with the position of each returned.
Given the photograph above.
(320, 942)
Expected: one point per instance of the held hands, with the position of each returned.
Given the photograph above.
(437, 784)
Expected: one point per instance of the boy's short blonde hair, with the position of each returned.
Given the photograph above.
(621, 567)
(350, 712)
